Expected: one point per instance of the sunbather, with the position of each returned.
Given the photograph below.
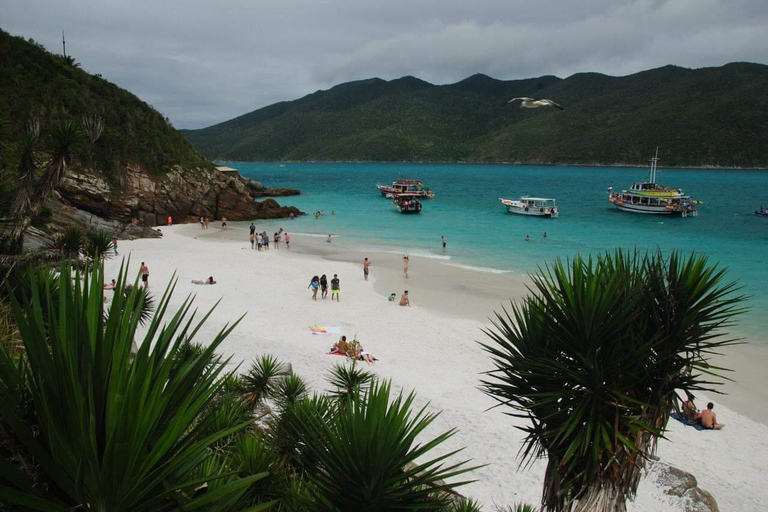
(207, 281)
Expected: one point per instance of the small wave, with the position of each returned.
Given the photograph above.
(314, 235)
(479, 269)
(419, 254)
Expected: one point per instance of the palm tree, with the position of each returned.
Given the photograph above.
(593, 358)
(96, 427)
(366, 456)
(65, 138)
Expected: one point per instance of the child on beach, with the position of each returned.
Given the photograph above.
(314, 284)
(324, 287)
(335, 287)
(392, 297)
(287, 241)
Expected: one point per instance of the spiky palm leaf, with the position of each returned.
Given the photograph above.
(98, 243)
(251, 454)
(69, 242)
(260, 380)
(367, 456)
(348, 381)
(114, 431)
(289, 390)
(593, 358)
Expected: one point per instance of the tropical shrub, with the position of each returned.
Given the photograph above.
(69, 242)
(367, 458)
(260, 380)
(348, 381)
(98, 243)
(95, 427)
(593, 360)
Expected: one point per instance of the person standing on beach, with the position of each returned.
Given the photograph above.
(314, 284)
(170, 220)
(202, 222)
(323, 287)
(223, 223)
(404, 300)
(366, 264)
(329, 239)
(443, 240)
(252, 228)
(144, 270)
(114, 244)
(405, 264)
(287, 241)
(335, 287)
(276, 239)
(253, 238)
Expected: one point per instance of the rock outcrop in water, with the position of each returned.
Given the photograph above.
(89, 200)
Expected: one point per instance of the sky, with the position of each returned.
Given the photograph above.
(201, 62)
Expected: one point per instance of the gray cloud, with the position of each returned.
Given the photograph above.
(202, 62)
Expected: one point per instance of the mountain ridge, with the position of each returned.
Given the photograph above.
(698, 114)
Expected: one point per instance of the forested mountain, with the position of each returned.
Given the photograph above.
(40, 86)
(699, 117)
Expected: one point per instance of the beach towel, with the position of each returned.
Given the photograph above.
(325, 330)
(697, 426)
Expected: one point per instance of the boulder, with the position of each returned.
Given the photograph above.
(683, 485)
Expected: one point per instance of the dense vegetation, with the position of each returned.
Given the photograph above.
(701, 117)
(38, 85)
(91, 420)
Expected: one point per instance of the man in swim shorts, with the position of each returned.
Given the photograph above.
(709, 418)
(366, 264)
(404, 300)
(335, 287)
(144, 270)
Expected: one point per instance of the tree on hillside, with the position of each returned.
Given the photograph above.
(593, 359)
(54, 154)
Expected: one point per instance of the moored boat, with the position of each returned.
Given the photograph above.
(533, 206)
(403, 186)
(407, 203)
(652, 198)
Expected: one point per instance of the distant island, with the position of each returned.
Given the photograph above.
(708, 117)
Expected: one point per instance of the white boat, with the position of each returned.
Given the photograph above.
(651, 198)
(534, 206)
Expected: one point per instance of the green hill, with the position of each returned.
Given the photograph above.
(701, 117)
(35, 84)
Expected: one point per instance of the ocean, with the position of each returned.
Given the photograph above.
(483, 237)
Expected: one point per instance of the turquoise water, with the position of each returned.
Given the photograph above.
(481, 234)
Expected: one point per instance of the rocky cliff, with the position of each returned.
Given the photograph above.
(88, 199)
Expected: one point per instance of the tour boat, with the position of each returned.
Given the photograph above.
(402, 186)
(407, 203)
(652, 198)
(535, 206)
(762, 212)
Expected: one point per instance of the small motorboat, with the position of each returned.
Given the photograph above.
(407, 203)
(534, 206)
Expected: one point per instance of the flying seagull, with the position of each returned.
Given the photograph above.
(532, 103)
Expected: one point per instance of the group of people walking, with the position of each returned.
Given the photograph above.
(321, 284)
(261, 240)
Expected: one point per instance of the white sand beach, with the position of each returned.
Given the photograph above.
(430, 347)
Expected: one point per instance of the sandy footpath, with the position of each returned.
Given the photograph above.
(429, 347)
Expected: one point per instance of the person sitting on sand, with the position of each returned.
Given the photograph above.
(392, 297)
(689, 410)
(206, 281)
(314, 284)
(110, 286)
(709, 418)
(340, 347)
(404, 300)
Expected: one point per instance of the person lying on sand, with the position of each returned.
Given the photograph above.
(709, 418)
(110, 286)
(207, 281)
(342, 347)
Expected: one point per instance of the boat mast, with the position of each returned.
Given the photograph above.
(653, 166)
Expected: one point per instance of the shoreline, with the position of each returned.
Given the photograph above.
(454, 290)
(404, 162)
(419, 348)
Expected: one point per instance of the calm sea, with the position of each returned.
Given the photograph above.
(483, 236)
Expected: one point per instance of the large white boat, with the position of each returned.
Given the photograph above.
(651, 198)
(535, 206)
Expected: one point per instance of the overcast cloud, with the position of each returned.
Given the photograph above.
(203, 62)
